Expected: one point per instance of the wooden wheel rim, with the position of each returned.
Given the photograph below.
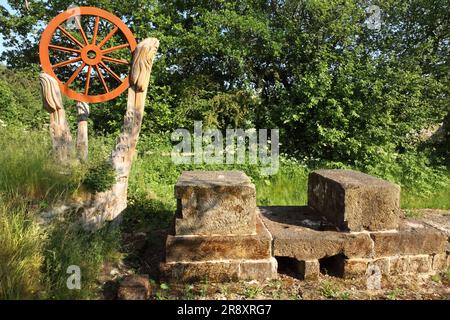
(47, 67)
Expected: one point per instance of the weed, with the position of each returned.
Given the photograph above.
(393, 294)
(100, 177)
(252, 292)
(330, 290)
(436, 278)
(447, 274)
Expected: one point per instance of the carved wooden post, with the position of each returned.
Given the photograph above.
(109, 204)
(82, 133)
(59, 129)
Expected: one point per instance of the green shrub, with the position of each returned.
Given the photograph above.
(100, 177)
(20, 99)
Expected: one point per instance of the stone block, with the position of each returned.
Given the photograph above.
(309, 269)
(438, 262)
(215, 202)
(258, 269)
(215, 271)
(383, 264)
(217, 247)
(355, 267)
(134, 287)
(353, 200)
(399, 265)
(412, 238)
(419, 264)
(292, 239)
(220, 270)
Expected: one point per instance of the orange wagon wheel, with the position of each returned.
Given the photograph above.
(82, 59)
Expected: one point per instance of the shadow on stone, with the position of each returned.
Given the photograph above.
(333, 266)
(288, 266)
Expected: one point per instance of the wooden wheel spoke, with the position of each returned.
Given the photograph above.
(96, 48)
(75, 75)
(101, 78)
(94, 36)
(113, 31)
(88, 80)
(63, 49)
(104, 66)
(69, 36)
(122, 46)
(83, 34)
(119, 61)
(67, 62)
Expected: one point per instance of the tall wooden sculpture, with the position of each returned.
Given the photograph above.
(82, 133)
(59, 128)
(87, 65)
(109, 204)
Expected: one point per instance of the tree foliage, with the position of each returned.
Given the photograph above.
(337, 89)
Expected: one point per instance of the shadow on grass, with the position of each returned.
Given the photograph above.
(145, 224)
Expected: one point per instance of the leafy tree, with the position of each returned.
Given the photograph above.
(336, 88)
(19, 99)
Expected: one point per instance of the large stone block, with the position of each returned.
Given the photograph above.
(410, 264)
(215, 202)
(308, 269)
(134, 287)
(199, 248)
(291, 237)
(258, 269)
(215, 271)
(438, 262)
(399, 265)
(419, 264)
(355, 267)
(220, 270)
(383, 264)
(353, 200)
(412, 238)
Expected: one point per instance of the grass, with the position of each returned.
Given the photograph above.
(439, 199)
(21, 253)
(34, 258)
(252, 292)
(331, 290)
(69, 245)
(394, 294)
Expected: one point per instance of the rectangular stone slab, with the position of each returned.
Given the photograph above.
(295, 235)
(215, 202)
(220, 270)
(353, 200)
(412, 238)
(309, 269)
(199, 248)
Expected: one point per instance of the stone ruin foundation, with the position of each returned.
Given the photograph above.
(351, 227)
(217, 232)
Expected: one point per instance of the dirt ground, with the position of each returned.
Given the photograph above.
(289, 288)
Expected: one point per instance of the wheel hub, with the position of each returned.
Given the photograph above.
(91, 55)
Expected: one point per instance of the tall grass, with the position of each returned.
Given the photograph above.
(34, 258)
(21, 252)
(288, 187)
(26, 168)
(69, 245)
